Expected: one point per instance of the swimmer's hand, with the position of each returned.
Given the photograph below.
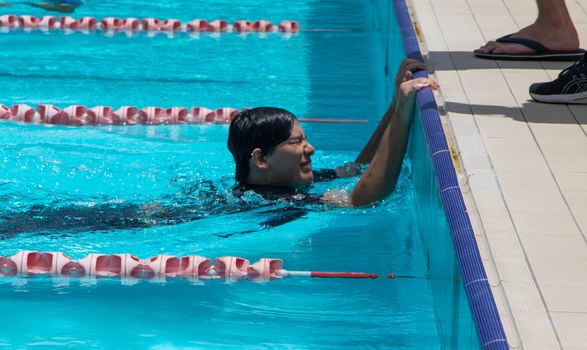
(338, 198)
(405, 70)
(406, 95)
(5, 4)
(349, 169)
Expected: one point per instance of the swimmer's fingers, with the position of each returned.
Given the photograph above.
(5, 4)
(421, 83)
(409, 87)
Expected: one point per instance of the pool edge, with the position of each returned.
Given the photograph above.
(486, 316)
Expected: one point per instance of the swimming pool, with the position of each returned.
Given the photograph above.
(337, 73)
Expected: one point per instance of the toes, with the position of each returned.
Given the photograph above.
(489, 47)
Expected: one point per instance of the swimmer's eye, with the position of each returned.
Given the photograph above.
(297, 140)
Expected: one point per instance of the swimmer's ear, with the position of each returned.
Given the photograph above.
(259, 159)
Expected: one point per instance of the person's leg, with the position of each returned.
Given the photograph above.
(553, 28)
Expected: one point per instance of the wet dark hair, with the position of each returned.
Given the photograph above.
(261, 127)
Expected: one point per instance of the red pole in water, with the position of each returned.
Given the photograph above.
(319, 274)
(343, 275)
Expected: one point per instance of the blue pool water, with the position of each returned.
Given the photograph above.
(338, 73)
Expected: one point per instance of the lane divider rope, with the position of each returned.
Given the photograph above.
(113, 24)
(232, 268)
(79, 115)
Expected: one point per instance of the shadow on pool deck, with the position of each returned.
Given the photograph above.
(530, 111)
(465, 60)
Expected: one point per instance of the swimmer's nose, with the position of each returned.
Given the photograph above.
(309, 149)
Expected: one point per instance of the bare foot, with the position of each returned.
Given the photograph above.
(561, 38)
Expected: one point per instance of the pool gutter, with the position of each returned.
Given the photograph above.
(486, 316)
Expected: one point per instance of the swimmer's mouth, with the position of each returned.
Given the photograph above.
(306, 164)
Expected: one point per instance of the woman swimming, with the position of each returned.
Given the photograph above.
(273, 156)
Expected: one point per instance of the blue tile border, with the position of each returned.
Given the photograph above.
(485, 314)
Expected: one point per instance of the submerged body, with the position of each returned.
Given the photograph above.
(279, 205)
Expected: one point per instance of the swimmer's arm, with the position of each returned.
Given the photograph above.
(381, 176)
(368, 152)
(350, 169)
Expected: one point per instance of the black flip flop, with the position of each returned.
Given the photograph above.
(541, 52)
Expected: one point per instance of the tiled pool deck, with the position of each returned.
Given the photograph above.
(522, 167)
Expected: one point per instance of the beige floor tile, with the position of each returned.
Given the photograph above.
(544, 113)
(519, 81)
(576, 147)
(475, 162)
(577, 200)
(478, 93)
(480, 8)
(499, 126)
(465, 42)
(544, 222)
(580, 21)
(527, 180)
(571, 181)
(463, 125)
(492, 211)
(542, 200)
(524, 19)
(515, 155)
(450, 8)
(571, 329)
(565, 297)
(559, 269)
(483, 179)
(535, 328)
(562, 134)
(468, 62)
(571, 161)
(487, 110)
(505, 245)
(512, 269)
(518, 7)
(581, 217)
(562, 245)
(471, 144)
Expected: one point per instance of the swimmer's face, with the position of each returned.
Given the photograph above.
(290, 164)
